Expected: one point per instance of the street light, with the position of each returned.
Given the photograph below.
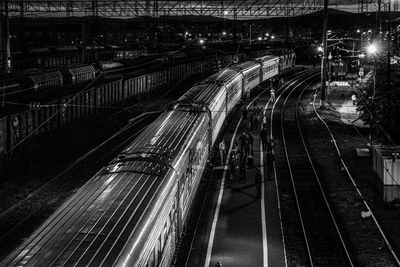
(372, 49)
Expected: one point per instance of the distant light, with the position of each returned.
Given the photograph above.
(201, 41)
(226, 12)
(320, 49)
(223, 33)
(272, 37)
(358, 31)
(372, 49)
(259, 38)
(267, 34)
(369, 30)
(186, 33)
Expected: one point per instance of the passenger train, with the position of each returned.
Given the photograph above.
(133, 211)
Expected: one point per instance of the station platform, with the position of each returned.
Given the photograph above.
(238, 227)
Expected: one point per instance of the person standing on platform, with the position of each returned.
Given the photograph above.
(243, 142)
(257, 182)
(270, 165)
(269, 143)
(251, 142)
(251, 122)
(263, 136)
(242, 164)
(222, 151)
(232, 166)
(257, 120)
(272, 90)
(244, 115)
(235, 149)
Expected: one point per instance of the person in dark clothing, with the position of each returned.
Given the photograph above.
(257, 182)
(251, 142)
(244, 115)
(263, 136)
(270, 165)
(243, 142)
(232, 166)
(243, 159)
(251, 121)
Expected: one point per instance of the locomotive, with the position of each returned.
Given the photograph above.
(133, 211)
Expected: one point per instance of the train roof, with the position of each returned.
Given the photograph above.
(201, 94)
(248, 65)
(223, 76)
(103, 223)
(265, 58)
(164, 138)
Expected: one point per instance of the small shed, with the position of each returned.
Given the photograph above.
(386, 163)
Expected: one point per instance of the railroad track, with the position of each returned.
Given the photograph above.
(376, 245)
(204, 196)
(27, 213)
(324, 242)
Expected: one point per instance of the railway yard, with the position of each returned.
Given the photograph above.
(199, 133)
(328, 192)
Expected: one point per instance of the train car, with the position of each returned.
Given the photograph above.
(232, 84)
(269, 66)
(287, 61)
(111, 69)
(38, 79)
(250, 74)
(75, 74)
(132, 211)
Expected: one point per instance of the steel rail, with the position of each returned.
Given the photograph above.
(355, 185)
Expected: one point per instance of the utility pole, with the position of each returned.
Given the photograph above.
(5, 38)
(389, 38)
(21, 25)
(325, 55)
(378, 19)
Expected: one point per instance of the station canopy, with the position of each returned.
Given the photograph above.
(232, 9)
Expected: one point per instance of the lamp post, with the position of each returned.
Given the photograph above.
(372, 49)
(329, 72)
(325, 55)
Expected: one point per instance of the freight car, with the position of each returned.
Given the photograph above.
(132, 212)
